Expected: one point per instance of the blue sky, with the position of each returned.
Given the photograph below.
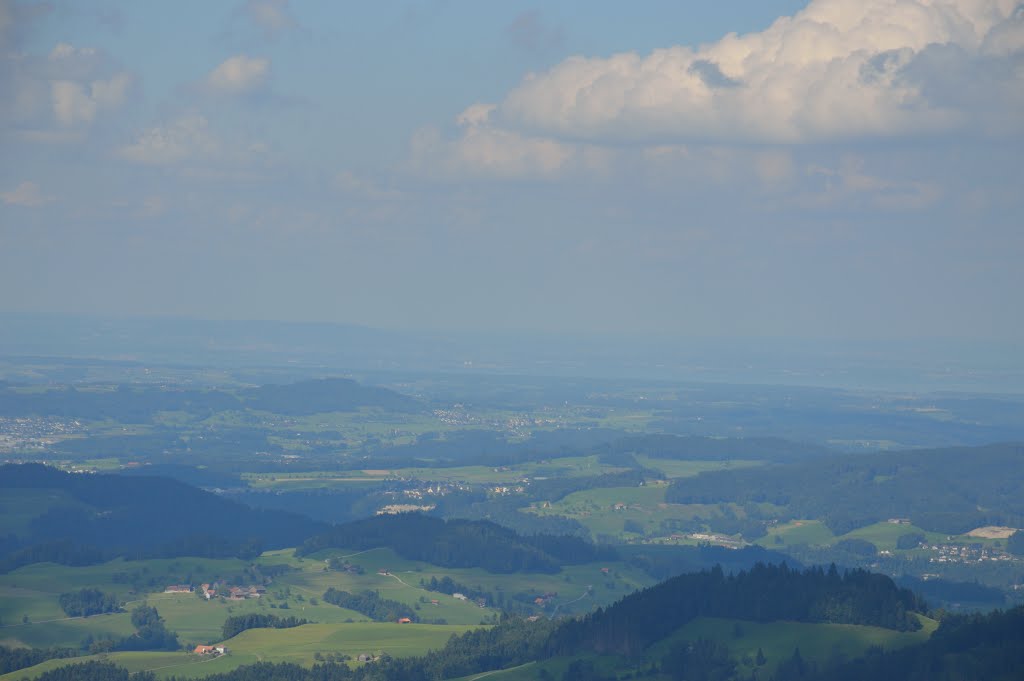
(833, 169)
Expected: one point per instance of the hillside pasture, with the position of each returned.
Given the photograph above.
(810, 532)
(818, 643)
(604, 511)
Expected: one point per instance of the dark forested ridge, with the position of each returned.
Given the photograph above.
(764, 593)
(324, 395)
(13, 659)
(140, 517)
(458, 543)
(943, 490)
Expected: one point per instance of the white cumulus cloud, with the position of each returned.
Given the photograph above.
(239, 74)
(839, 69)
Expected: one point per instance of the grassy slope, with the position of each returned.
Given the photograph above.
(298, 645)
(817, 642)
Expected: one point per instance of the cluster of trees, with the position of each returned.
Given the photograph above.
(85, 602)
(18, 552)
(447, 585)
(236, 624)
(151, 633)
(700, 659)
(457, 543)
(1015, 543)
(370, 604)
(937, 489)
(764, 593)
(910, 540)
(94, 670)
(13, 659)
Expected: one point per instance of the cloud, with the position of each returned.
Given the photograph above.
(529, 32)
(186, 138)
(68, 88)
(273, 16)
(484, 149)
(75, 103)
(360, 187)
(239, 74)
(838, 70)
(27, 194)
(852, 184)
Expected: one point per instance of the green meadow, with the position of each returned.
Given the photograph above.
(604, 511)
(884, 535)
(811, 532)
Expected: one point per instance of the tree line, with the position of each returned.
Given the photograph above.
(236, 624)
(370, 604)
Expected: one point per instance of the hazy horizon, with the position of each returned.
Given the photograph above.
(932, 365)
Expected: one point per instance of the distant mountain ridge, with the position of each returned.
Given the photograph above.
(140, 403)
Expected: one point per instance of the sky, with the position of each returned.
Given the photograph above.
(833, 169)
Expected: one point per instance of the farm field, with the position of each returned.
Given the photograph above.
(575, 466)
(605, 511)
(884, 535)
(403, 584)
(812, 532)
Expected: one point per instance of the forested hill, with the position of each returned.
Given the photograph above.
(325, 395)
(944, 490)
(965, 647)
(84, 518)
(459, 543)
(765, 593)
